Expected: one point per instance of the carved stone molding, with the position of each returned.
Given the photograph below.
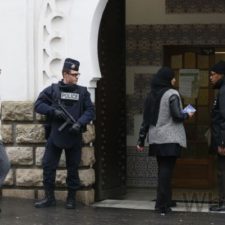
(68, 28)
(51, 38)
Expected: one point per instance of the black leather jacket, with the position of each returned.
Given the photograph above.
(176, 114)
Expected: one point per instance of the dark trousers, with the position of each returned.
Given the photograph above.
(51, 160)
(165, 171)
(221, 177)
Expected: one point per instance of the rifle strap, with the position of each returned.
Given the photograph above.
(56, 93)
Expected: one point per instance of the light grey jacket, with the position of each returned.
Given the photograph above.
(166, 129)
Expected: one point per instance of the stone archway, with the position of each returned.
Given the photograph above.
(68, 29)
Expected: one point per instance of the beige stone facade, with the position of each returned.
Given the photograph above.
(23, 135)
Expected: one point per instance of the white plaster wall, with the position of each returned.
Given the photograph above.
(153, 12)
(14, 78)
(70, 29)
(73, 26)
(83, 27)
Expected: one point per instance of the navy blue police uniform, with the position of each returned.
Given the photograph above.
(76, 100)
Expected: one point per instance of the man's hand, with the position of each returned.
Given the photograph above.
(221, 151)
(76, 128)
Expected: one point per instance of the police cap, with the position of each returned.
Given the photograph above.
(71, 64)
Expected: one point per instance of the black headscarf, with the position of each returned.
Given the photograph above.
(160, 83)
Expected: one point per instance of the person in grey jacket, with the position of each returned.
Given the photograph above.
(4, 164)
(163, 122)
(216, 75)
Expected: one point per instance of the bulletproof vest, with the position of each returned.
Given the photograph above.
(71, 97)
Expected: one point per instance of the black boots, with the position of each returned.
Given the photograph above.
(71, 199)
(47, 201)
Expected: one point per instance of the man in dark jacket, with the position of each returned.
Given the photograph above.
(216, 74)
(76, 100)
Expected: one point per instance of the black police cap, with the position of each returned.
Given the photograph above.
(71, 64)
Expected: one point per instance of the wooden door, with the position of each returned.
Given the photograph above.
(195, 169)
(110, 124)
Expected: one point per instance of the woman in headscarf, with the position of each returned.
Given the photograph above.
(163, 122)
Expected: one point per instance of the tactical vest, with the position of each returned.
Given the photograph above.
(73, 103)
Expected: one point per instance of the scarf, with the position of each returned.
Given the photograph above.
(160, 83)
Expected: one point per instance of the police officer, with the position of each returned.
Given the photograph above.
(76, 100)
(216, 76)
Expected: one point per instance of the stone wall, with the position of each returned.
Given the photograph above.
(23, 135)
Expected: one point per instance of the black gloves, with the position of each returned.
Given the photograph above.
(58, 114)
(76, 128)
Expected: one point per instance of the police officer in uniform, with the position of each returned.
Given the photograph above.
(76, 100)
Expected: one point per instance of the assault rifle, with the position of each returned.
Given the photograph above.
(67, 116)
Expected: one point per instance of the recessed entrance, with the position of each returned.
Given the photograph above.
(121, 172)
(196, 168)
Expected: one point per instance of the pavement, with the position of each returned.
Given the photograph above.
(21, 212)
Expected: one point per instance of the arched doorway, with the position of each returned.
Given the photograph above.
(110, 124)
(145, 47)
